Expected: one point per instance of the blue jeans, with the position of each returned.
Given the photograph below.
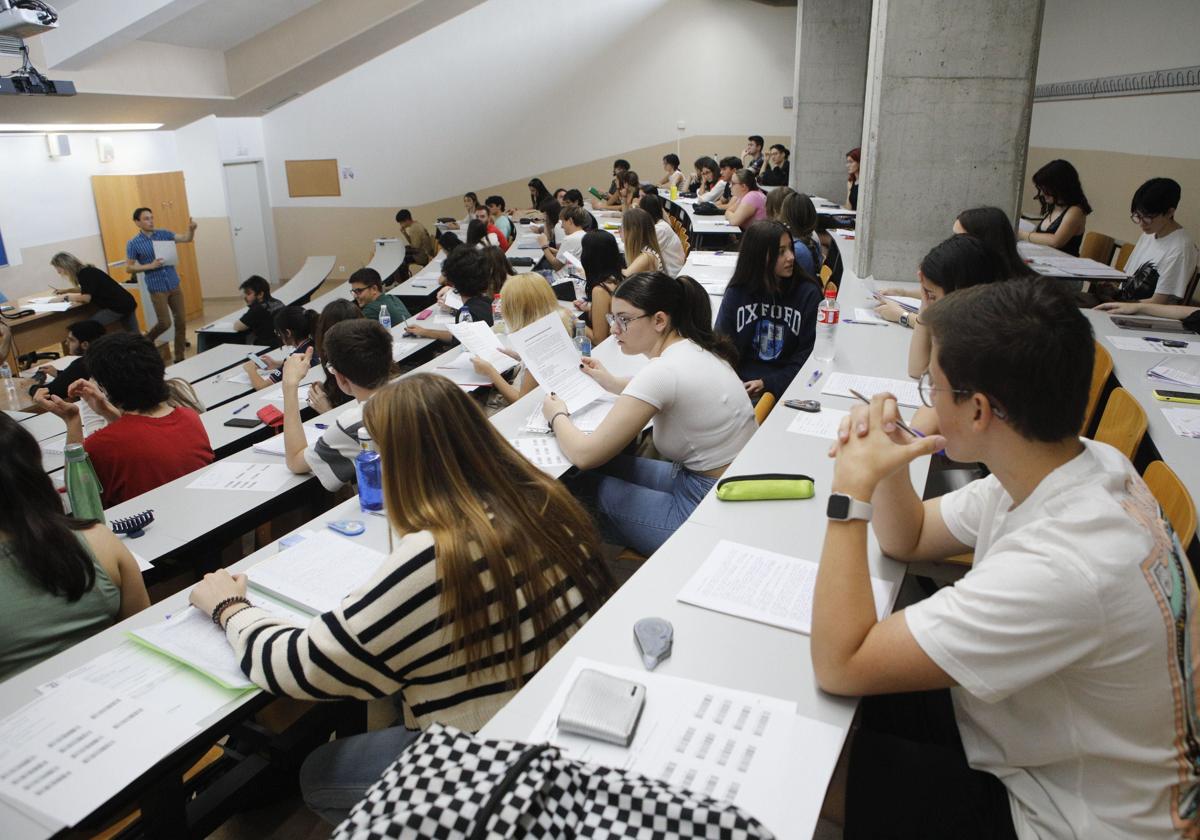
(641, 501)
(336, 775)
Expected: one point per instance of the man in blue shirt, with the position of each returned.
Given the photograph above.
(161, 280)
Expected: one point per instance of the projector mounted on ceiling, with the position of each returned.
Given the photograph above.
(20, 19)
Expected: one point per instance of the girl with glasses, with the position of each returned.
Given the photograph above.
(702, 416)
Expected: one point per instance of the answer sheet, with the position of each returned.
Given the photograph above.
(867, 316)
(554, 361)
(544, 453)
(731, 745)
(75, 747)
(905, 391)
(764, 586)
(478, 339)
(1184, 421)
(318, 572)
(234, 475)
(822, 424)
(274, 445)
(587, 419)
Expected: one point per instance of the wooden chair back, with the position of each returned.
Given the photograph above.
(682, 233)
(1101, 370)
(1123, 423)
(1123, 253)
(1097, 246)
(826, 274)
(765, 403)
(1175, 499)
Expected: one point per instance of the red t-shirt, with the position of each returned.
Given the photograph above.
(500, 236)
(137, 453)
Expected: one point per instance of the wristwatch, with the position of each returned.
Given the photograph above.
(843, 508)
(905, 321)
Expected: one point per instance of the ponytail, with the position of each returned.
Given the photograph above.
(686, 303)
(300, 322)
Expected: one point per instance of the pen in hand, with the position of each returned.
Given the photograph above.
(899, 422)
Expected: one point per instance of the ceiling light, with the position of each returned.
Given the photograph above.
(63, 128)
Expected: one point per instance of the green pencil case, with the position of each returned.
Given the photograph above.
(763, 487)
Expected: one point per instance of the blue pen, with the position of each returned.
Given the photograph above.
(243, 408)
(816, 374)
(321, 425)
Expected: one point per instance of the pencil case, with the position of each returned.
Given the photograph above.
(765, 486)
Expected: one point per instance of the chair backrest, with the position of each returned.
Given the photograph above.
(682, 233)
(1190, 294)
(1123, 423)
(1175, 499)
(765, 403)
(1123, 255)
(1101, 369)
(826, 273)
(1097, 246)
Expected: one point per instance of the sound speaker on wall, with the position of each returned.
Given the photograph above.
(59, 145)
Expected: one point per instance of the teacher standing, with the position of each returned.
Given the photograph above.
(161, 280)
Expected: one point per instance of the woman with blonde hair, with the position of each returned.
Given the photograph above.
(496, 568)
(641, 243)
(524, 299)
(94, 286)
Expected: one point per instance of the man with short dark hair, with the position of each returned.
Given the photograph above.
(259, 318)
(469, 274)
(418, 238)
(367, 288)
(147, 441)
(496, 208)
(729, 165)
(619, 168)
(752, 155)
(358, 353)
(161, 280)
(1069, 645)
(484, 214)
(1164, 259)
(572, 220)
(80, 335)
(574, 197)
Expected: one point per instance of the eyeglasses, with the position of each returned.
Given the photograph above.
(925, 388)
(1143, 218)
(620, 323)
(357, 291)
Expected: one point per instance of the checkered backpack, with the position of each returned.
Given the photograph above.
(449, 785)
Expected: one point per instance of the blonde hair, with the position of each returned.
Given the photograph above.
(181, 394)
(68, 263)
(637, 231)
(494, 517)
(527, 297)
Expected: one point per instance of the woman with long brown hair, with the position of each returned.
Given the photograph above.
(496, 568)
(641, 242)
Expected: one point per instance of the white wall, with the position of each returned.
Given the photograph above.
(43, 201)
(241, 138)
(1083, 39)
(200, 158)
(515, 87)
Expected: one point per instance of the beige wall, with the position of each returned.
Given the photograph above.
(35, 275)
(1110, 179)
(349, 232)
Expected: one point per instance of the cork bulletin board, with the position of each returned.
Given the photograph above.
(312, 177)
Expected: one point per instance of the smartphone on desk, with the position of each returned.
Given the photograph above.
(243, 422)
(1156, 324)
(1177, 396)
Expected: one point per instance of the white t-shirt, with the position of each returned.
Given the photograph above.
(671, 247)
(572, 244)
(1062, 640)
(1171, 261)
(717, 191)
(704, 416)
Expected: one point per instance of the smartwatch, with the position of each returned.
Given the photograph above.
(843, 508)
(905, 321)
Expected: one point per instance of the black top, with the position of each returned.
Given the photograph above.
(1192, 322)
(776, 176)
(106, 292)
(854, 196)
(1072, 246)
(259, 320)
(78, 369)
(479, 307)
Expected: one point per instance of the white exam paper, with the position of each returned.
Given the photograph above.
(275, 395)
(544, 453)
(1184, 421)
(49, 307)
(452, 300)
(587, 419)
(274, 445)
(840, 384)
(234, 475)
(479, 340)
(553, 359)
(164, 249)
(867, 316)
(318, 572)
(822, 424)
(763, 586)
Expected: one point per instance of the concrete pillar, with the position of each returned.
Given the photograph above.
(832, 42)
(946, 122)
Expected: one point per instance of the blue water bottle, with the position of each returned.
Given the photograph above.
(369, 472)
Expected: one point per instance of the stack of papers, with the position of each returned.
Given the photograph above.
(764, 586)
(1185, 421)
(318, 572)
(478, 339)
(48, 307)
(1177, 371)
(714, 258)
(905, 391)
(908, 304)
(274, 445)
(1074, 267)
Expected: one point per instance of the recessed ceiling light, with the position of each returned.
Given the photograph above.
(66, 128)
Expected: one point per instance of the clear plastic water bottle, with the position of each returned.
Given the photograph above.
(369, 472)
(464, 315)
(828, 316)
(10, 387)
(582, 342)
(580, 284)
(385, 317)
(83, 487)
(498, 324)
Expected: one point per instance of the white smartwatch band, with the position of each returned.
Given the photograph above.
(842, 508)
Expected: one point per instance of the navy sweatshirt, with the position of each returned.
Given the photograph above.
(774, 336)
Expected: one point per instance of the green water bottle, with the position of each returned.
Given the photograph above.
(83, 488)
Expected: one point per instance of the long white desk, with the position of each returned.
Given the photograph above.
(211, 362)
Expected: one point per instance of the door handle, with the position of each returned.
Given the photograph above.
(237, 230)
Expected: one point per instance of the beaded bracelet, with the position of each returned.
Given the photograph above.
(224, 604)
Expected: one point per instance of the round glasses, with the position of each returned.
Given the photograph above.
(620, 323)
(926, 388)
(1146, 218)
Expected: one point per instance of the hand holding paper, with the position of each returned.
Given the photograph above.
(554, 361)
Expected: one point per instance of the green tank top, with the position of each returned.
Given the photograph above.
(35, 625)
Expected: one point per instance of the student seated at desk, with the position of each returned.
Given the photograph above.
(955, 263)
(499, 269)
(853, 159)
(544, 203)
(469, 273)
(294, 326)
(367, 288)
(148, 441)
(991, 225)
(626, 195)
(641, 242)
(258, 321)
(1068, 648)
(752, 156)
(673, 177)
(619, 168)
(769, 310)
(418, 238)
(484, 215)
(80, 335)
(709, 187)
(500, 217)
(1164, 259)
(777, 169)
(573, 219)
(61, 579)
(603, 270)
(489, 541)
(729, 167)
(1064, 208)
(747, 204)
(574, 198)
(799, 216)
(96, 286)
(480, 234)
(702, 416)
(323, 396)
(525, 298)
(471, 204)
(360, 355)
(669, 244)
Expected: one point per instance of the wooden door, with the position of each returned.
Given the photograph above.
(117, 196)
